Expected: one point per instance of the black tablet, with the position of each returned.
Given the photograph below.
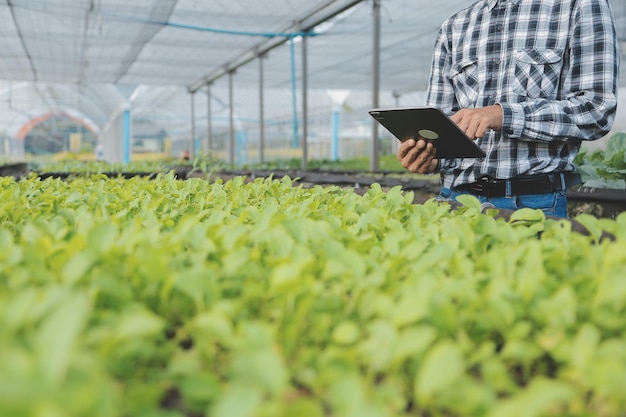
(431, 124)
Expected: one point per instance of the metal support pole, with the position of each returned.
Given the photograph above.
(294, 102)
(209, 135)
(396, 96)
(305, 108)
(335, 145)
(261, 110)
(375, 82)
(231, 117)
(127, 133)
(192, 143)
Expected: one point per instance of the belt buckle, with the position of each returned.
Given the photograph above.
(476, 187)
(480, 185)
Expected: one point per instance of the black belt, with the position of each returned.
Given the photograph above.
(524, 185)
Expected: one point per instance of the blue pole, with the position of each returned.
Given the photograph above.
(335, 155)
(295, 143)
(126, 136)
(242, 147)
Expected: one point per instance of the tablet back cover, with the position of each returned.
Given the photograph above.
(431, 124)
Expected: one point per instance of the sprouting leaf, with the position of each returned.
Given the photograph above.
(257, 362)
(239, 400)
(213, 325)
(136, 323)
(470, 201)
(198, 387)
(591, 224)
(528, 215)
(584, 346)
(76, 267)
(349, 398)
(442, 365)
(413, 341)
(542, 397)
(379, 346)
(345, 333)
(304, 407)
(58, 334)
(102, 237)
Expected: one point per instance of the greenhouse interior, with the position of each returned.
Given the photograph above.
(200, 218)
(244, 81)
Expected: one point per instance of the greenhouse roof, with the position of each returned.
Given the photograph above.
(177, 42)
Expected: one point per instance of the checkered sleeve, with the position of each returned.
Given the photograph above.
(587, 105)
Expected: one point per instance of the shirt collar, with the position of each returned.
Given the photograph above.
(492, 3)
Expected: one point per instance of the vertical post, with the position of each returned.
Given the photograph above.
(127, 133)
(375, 82)
(261, 110)
(335, 150)
(192, 141)
(305, 107)
(396, 96)
(231, 117)
(209, 128)
(294, 102)
(339, 98)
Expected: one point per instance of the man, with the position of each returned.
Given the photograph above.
(529, 80)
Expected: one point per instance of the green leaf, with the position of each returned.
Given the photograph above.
(289, 275)
(214, 325)
(239, 400)
(527, 215)
(413, 341)
(495, 373)
(77, 267)
(349, 398)
(469, 201)
(442, 365)
(57, 337)
(200, 387)
(584, 346)
(102, 237)
(615, 145)
(257, 362)
(136, 323)
(591, 224)
(617, 160)
(543, 397)
(304, 407)
(378, 348)
(345, 333)
(560, 309)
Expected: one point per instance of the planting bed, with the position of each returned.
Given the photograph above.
(156, 297)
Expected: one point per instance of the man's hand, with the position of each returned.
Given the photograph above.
(476, 122)
(418, 156)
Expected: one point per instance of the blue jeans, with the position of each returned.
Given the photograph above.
(552, 204)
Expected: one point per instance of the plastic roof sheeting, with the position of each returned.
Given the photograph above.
(152, 42)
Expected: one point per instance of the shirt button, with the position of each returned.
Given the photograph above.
(499, 28)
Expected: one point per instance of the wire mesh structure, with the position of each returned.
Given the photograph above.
(248, 81)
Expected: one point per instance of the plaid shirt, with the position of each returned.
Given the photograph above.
(552, 66)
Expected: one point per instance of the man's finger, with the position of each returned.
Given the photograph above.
(405, 147)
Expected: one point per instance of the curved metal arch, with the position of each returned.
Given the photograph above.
(18, 129)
